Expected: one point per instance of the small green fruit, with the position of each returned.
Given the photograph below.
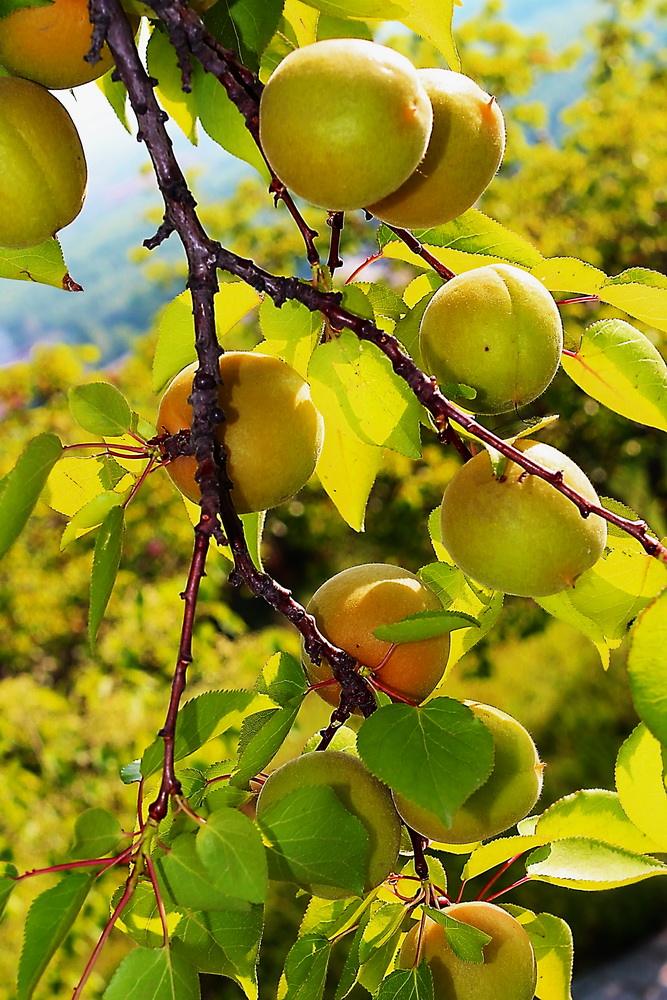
(359, 792)
(508, 794)
(518, 534)
(463, 155)
(43, 175)
(344, 122)
(352, 604)
(509, 970)
(496, 329)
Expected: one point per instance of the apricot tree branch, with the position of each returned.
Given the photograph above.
(420, 250)
(424, 386)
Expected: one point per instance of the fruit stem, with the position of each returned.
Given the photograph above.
(501, 871)
(503, 892)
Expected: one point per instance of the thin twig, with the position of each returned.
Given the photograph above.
(335, 221)
(420, 250)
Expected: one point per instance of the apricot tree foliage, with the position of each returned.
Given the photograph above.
(518, 518)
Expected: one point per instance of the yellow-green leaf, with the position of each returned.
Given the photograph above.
(567, 274)
(163, 65)
(646, 667)
(175, 346)
(620, 367)
(590, 865)
(641, 293)
(641, 786)
(432, 19)
(43, 264)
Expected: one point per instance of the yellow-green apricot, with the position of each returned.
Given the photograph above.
(517, 533)
(494, 328)
(509, 971)
(48, 44)
(466, 148)
(358, 791)
(42, 166)
(344, 122)
(272, 431)
(352, 604)
(508, 794)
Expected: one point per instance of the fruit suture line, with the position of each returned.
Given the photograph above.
(190, 38)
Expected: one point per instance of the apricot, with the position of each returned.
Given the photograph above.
(466, 148)
(496, 329)
(352, 604)
(43, 174)
(344, 122)
(508, 794)
(358, 791)
(517, 533)
(509, 971)
(272, 431)
(48, 45)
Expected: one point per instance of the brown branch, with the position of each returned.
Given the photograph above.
(424, 386)
(420, 250)
(335, 221)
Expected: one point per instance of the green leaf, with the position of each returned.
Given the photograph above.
(581, 863)
(22, 487)
(7, 885)
(245, 26)
(131, 773)
(432, 19)
(350, 973)
(49, 919)
(9, 6)
(620, 367)
(305, 969)
(552, 943)
(466, 942)
(568, 274)
(224, 942)
(424, 625)
(115, 92)
(175, 347)
(641, 786)
(106, 560)
(42, 264)
(291, 331)
(282, 679)
(436, 755)
(76, 481)
(185, 881)
(100, 408)
(96, 832)
(606, 598)
(332, 917)
(471, 240)
(408, 984)
(231, 849)
(385, 920)
(264, 744)
(223, 122)
(456, 593)
(646, 667)
(202, 719)
(163, 65)
(91, 515)
(497, 851)
(639, 292)
(373, 9)
(314, 840)
(407, 329)
(154, 974)
(140, 919)
(379, 408)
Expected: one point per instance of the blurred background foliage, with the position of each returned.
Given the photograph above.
(68, 721)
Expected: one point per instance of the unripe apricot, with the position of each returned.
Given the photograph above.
(358, 791)
(352, 604)
(509, 971)
(463, 155)
(43, 168)
(48, 45)
(508, 794)
(272, 431)
(518, 534)
(344, 122)
(496, 329)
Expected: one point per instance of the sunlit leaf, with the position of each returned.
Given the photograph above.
(49, 919)
(163, 65)
(620, 367)
(90, 516)
(639, 292)
(43, 264)
(305, 969)
(154, 974)
(115, 92)
(223, 122)
(291, 332)
(384, 921)
(641, 786)
(646, 667)
(590, 865)
(245, 26)
(424, 625)
(552, 943)
(22, 487)
(100, 408)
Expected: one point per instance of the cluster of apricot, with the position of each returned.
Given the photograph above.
(42, 165)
